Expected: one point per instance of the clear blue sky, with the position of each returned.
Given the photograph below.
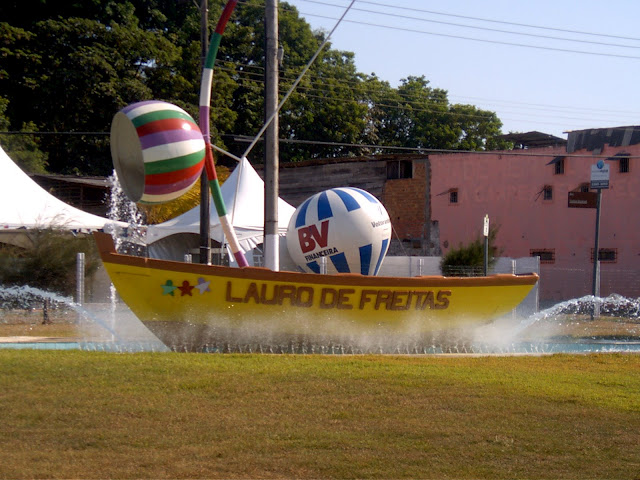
(551, 88)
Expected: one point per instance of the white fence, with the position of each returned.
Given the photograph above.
(560, 283)
(417, 266)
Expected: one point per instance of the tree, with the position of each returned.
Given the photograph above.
(417, 116)
(379, 95)
(477, 129)
(22, 148)
(50, 262)
(80, 72)
(242, 57)
(330, 107)
(68, 67)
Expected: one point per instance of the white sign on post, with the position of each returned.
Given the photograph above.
(600, 175)
(486, 225)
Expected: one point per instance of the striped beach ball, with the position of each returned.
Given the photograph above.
(157, 151)
(347, 227)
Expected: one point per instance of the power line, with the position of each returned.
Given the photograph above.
(26, 132)
(475, 27)
(482, 40)
(490, 20)
(554, 108)
(426, 150)
(352, 83)
(307, 92)
(247, 138)
(502, 22)
(408, 101)
(462, 37)
(540, 106)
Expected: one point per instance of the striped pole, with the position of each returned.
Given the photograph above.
(205, 102)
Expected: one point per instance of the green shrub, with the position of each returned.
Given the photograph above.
(468, 260)
(50, 262)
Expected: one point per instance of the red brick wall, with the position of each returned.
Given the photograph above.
(405, 201)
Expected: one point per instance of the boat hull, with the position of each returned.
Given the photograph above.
(195, 306)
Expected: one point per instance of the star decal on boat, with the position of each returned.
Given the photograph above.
(168, 288)
(186, 288)
(203, 286)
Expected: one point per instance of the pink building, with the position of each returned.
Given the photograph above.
(438, 201)
(525, 192)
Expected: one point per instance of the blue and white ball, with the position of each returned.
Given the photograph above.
(347, 226)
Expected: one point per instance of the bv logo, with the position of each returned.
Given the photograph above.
(309, 236)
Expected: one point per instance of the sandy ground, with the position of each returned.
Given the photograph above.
(94, 323)
(26, 339)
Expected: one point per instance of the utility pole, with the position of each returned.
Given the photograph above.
(599, 180)
(272, 151)
(596, 247)
(205, 248)
(596, 262)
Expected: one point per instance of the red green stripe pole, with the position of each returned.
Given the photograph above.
(205, 102)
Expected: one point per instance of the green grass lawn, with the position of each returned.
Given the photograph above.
(73, 414)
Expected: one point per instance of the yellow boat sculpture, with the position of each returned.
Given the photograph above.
(198, 305)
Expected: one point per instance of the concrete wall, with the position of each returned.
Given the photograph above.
(301, 180)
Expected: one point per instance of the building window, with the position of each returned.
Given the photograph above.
(606, 255)
(547, 192)
(399, 169)
(623, 165)
(453, 195)
(547, 255)
(559, 167)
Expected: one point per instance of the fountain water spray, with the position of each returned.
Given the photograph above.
(568, 327)
(124, 210)
(24, 297)
(124, 337)
(123, 330)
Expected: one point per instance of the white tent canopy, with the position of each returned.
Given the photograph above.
(26, 205)
(243, 194)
